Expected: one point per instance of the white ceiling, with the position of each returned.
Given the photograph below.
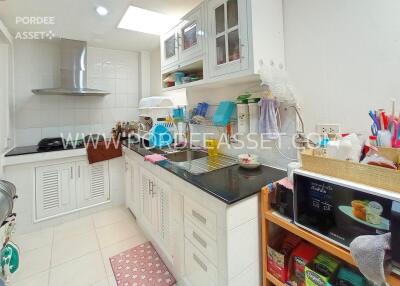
(77, 19)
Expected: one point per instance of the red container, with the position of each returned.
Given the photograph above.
(303, 254)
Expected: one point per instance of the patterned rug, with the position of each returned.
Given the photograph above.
(141, 266)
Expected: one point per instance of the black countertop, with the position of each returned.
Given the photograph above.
(34, 149)
(229, 184)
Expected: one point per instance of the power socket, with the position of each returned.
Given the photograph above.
(328, 129)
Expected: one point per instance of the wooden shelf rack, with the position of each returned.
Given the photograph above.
(269, 217)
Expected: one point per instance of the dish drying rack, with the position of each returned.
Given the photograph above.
(208, 121)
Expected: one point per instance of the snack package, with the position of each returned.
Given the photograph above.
(301, 256)
(321, 270)
(279, 255)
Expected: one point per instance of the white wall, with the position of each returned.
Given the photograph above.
(3, 95)
(344, 58)
(145, 74)
(155, 72)
(37, 116)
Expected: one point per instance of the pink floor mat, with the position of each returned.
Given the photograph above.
(141, 266)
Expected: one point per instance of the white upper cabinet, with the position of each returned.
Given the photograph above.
(191, 34)
(169, 49)
(93, 186)
(185, 42)
(55, 190)
(238, 37)
(227, 37)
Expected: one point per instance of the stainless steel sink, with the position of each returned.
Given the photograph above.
(185, 156)
(157, 151)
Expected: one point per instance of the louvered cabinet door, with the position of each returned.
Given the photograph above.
(92, 181)
(132, 193)
(146, 199)
(55, 190)
(163, 200)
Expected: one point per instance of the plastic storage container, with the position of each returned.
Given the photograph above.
(254, 115)
(178, 78)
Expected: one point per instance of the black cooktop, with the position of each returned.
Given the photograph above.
(34, 149)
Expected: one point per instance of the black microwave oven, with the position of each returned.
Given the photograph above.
(342, 210)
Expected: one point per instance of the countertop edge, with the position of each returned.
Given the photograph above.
(39, 157)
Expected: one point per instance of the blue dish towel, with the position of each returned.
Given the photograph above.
(268, 118)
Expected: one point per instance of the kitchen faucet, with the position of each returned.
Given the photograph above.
(188, 135)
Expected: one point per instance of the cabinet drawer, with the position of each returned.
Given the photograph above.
(202, 217)
(199, 270)
(203, 242)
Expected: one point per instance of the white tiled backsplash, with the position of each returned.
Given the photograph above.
(37, 65)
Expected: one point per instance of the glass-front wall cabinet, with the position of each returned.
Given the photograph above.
(191, 33)
(169, 48)
(228, 35)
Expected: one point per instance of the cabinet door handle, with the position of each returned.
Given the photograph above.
(199, 262)
(72, 174)
(199, 239)
(79, 171)
(199, 217)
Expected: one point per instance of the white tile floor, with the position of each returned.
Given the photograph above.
(76, 253)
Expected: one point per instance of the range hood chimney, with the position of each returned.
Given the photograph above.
(73, 71)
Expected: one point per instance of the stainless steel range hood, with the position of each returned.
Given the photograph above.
(73, 71)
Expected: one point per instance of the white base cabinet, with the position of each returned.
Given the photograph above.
(67, 187)
(92, 181)
(202, 240)
(55, 190)
(132, 194)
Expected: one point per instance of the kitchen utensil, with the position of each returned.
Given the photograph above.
(212, 147)
(224, 113)
(374, 129)
(394, 130)
(375, 120)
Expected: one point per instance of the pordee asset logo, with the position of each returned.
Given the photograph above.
(32, 21)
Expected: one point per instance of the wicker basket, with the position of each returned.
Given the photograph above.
(364, 174)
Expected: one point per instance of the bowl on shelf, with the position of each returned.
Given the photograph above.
(186, 79)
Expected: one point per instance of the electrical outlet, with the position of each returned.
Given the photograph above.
(328, 128)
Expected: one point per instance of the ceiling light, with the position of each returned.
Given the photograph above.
(102, 11)
(141, 20)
